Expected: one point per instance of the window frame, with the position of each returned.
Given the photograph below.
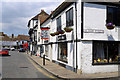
(114, 15)
(59, 26)
(59, 53)
(68, 22)
(93, 52)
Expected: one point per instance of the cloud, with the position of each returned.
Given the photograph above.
(15, 15)
(33, 0)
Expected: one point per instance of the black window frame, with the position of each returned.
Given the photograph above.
(35, 35)
(59, 53)
(108, 63)
(59, 27)
(114, 18)
(69, 17)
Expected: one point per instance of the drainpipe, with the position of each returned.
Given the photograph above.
(76, 34)
(73, 50)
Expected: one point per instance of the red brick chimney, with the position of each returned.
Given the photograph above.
(42, 10)
(51, 12)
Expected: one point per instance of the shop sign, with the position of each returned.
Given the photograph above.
(44, 33)
(62, 37)
(93, 31)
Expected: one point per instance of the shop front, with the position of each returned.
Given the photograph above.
(106, 52)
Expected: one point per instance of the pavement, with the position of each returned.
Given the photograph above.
(63, 73)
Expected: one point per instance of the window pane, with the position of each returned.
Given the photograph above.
(118, 17)
(67, 19)
(100, 53)
(110, 15)
(113, 52)
(71, 17)
(62, 55)
(58, 23)
(119, 52)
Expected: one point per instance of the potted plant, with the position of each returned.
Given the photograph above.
(110, 26)
(61, 31)
(52, 34)
(68, 29)
(57, 33)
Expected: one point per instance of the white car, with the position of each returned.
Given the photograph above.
(12, 49)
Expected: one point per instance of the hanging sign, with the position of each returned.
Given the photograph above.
(44, 32)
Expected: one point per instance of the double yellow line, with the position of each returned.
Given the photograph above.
(41, 70)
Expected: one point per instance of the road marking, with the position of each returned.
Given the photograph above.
(40, 69)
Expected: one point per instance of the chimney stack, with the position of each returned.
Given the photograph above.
(51, 12)
(42, 10)
(12, 35)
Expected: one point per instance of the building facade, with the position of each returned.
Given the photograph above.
(87, 45)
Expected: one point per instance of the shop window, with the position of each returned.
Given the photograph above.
(59, 23)
(62, 52)
(69, 17)
(113, 15)
(106, 52)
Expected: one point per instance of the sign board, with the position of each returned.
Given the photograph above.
(44, 33)
(93, 31)
(62, 37)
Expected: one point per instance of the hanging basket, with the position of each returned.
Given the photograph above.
(67, 29)
(57, 33)
(61, 31)
(110, 26)
(52, 34)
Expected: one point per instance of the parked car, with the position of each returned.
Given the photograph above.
(12, 49)
(7, 48)
(21, 50)
(4, 51)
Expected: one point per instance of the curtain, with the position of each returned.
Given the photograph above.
(99, 51)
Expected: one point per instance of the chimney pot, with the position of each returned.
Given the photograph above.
(51, 12)
(42, 10)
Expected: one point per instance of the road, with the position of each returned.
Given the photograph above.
(18, 65)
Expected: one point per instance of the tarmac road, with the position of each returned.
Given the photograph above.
(19, 66)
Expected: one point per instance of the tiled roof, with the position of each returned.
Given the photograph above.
(23, 37)
(4, 37)
(42, 15)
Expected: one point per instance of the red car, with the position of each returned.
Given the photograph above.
(4, 51)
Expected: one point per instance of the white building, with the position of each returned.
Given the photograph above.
(34, 29)
(90, 47)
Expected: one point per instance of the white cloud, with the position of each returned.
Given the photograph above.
(16, 16)
(32, 0)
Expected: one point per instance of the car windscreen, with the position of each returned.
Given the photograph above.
(4, 49)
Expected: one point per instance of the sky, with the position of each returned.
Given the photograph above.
(16, 14)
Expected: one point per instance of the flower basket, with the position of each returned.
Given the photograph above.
(67, 29)
(61, 31)
(110, 26)
(57, 33)
(52, 34)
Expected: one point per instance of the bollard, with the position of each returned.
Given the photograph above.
(44, 59)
